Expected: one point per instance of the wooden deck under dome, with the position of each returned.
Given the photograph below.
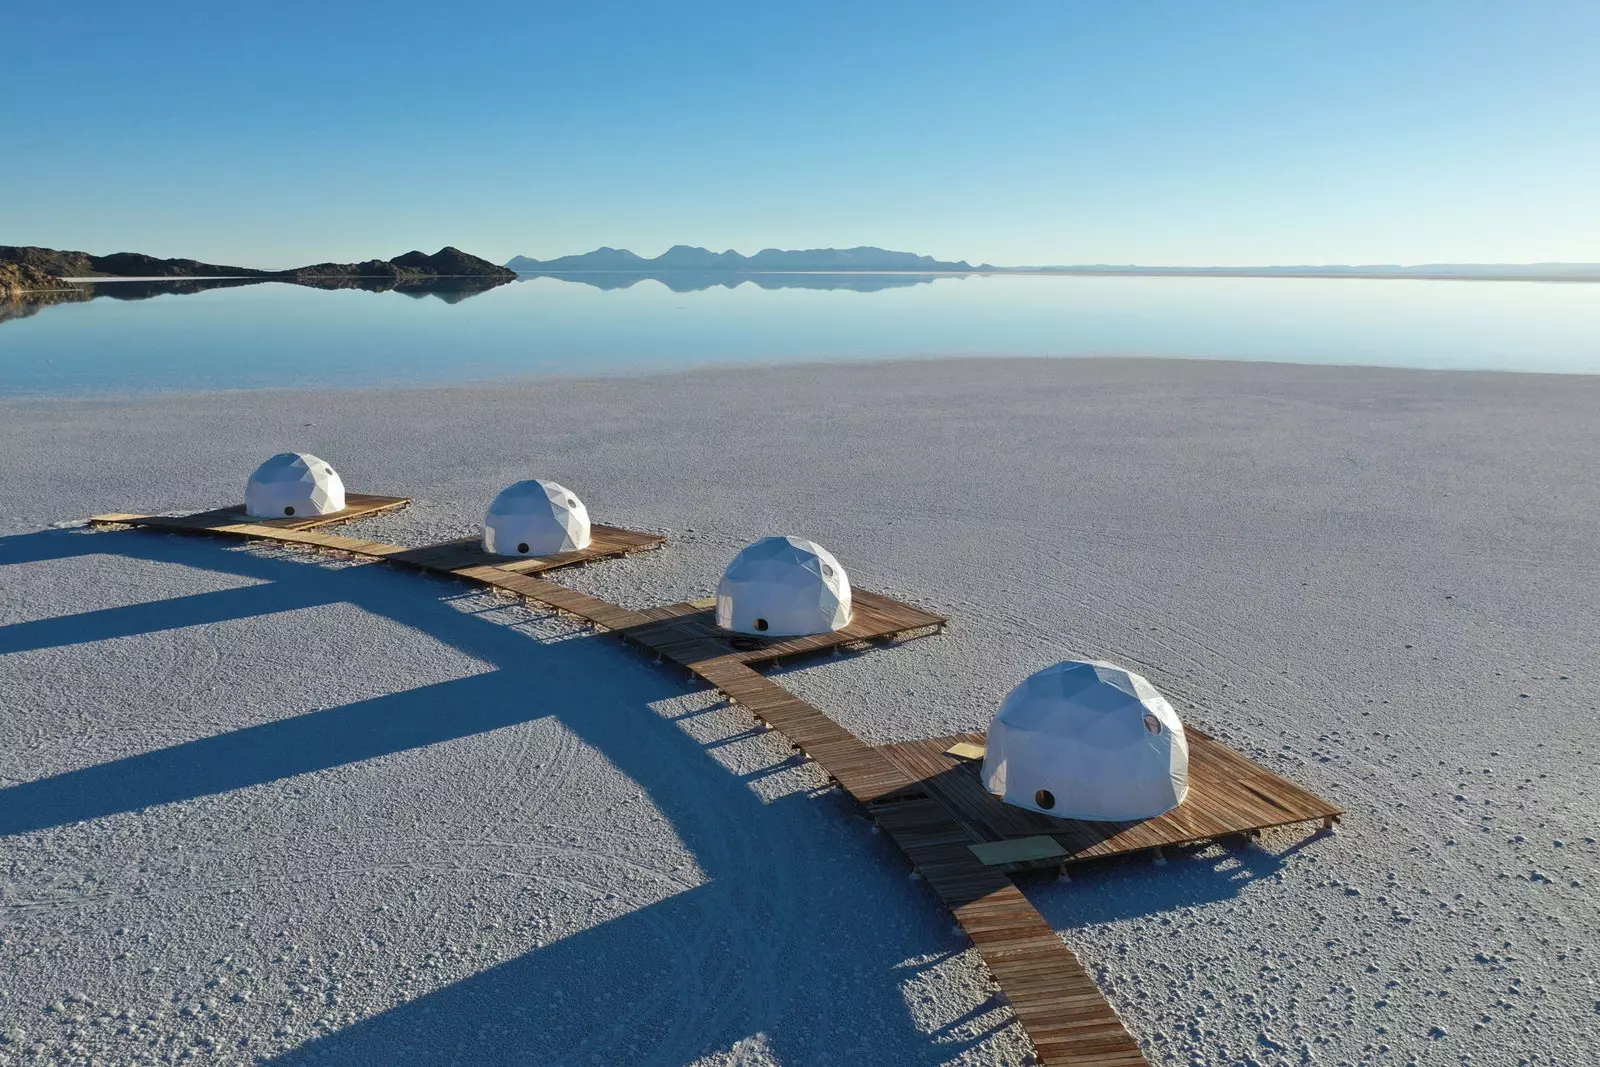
(874, 617)
(219, 520)
(1229, 795)
(467, 553)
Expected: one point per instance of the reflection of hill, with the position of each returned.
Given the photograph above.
(35, 301)
(145, 289)
(693, 281)
(32, 304)
(450, 290)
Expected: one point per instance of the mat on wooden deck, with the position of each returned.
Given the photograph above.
(356, 506)
(873, 617)
(1228, 794)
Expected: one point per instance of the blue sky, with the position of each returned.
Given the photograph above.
(1052, 132)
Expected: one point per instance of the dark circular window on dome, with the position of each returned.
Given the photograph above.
(761, 624)
(572, 502)
(1044, 798)
(327, 470)
(288, 511)
(827, 571)
(523, 548)
(1152, 723)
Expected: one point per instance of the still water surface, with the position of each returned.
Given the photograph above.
(281, 335)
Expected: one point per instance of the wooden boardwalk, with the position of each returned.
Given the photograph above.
(914, 792)
(1228, 795)
(1058, 1005)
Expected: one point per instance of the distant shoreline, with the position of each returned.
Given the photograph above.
(1091, 272)
(1247, 272)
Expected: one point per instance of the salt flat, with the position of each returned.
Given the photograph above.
(260, 807)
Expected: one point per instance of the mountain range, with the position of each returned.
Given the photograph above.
(690, 257)
(868, 260)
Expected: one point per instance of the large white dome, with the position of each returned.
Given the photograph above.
(1088, 740)
(783, 587)
(535, 518)
(293, 483)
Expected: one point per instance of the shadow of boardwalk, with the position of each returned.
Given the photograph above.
(254, 755)
(797, 939)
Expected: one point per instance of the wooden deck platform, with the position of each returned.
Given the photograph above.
(874, 618)
(468, 554)
(356, 506)
(1228, 795)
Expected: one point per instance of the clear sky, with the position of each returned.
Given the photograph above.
(279, 133)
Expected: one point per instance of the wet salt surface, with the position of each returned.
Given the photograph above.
(154, 338)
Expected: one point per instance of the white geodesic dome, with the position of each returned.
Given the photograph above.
(1088, 740)
(293, 483)
(783, 587)
(535, 518)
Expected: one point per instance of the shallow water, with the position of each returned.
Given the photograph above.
(275, 334)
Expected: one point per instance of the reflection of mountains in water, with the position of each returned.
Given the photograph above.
(33, 303)
(694, 281)
(450, 290)
(455, 290)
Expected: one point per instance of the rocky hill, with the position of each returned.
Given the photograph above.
(117, 265)
(19, 279)
(691, 257)
(448, 262)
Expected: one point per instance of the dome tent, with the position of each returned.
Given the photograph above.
(1088, 740)
(293, 483)
(783, 587)
(535, 518)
